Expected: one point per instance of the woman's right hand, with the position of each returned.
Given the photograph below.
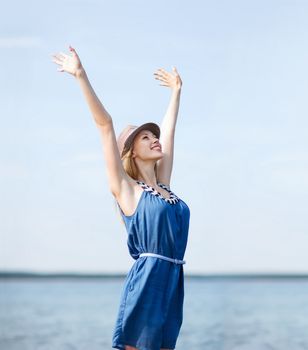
(70, 64)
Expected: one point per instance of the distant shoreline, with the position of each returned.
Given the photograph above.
(81, 275)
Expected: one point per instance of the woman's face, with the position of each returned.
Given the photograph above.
(147, 146)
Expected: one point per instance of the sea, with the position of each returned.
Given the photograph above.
(220, 313)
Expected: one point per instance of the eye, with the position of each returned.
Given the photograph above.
(144, 136)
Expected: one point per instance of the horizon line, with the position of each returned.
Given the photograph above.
(69, 274)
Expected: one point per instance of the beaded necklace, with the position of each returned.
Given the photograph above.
(173, 199)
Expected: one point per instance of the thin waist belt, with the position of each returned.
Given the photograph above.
(176, 261)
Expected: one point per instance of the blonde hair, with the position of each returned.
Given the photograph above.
(131, 169)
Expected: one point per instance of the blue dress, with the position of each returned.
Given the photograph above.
(151, 306)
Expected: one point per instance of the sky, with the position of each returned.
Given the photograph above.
(241, 145)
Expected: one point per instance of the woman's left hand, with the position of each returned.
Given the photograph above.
(172, 80)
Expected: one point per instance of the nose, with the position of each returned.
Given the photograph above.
(156, 143)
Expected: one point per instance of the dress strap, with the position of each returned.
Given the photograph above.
(173, 199)
(164, 186)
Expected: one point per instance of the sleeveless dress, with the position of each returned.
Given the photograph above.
(150, 314)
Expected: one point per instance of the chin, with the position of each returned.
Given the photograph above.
(160, 156)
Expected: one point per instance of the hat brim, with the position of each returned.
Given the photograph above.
(147, 126)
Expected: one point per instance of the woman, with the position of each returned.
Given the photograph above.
(157, 221)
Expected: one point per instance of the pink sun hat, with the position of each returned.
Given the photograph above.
(126, 137)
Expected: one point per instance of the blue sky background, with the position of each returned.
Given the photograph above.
(241, 147)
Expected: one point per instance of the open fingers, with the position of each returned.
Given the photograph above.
(63, 55)
(162, 75)
(161, 78)
(57, 60)
(58, 57)
(162, 72)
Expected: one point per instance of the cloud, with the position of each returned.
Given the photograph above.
(20, 42)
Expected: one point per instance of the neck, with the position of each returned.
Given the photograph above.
(146, 171)
(148, 176)
(151, 182)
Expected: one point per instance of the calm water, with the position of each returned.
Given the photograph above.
(221, 314)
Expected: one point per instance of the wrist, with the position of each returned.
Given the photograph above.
(177, 89)
(80, 73)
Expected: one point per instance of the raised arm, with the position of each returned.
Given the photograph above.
(116, 174)
(165, 164)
